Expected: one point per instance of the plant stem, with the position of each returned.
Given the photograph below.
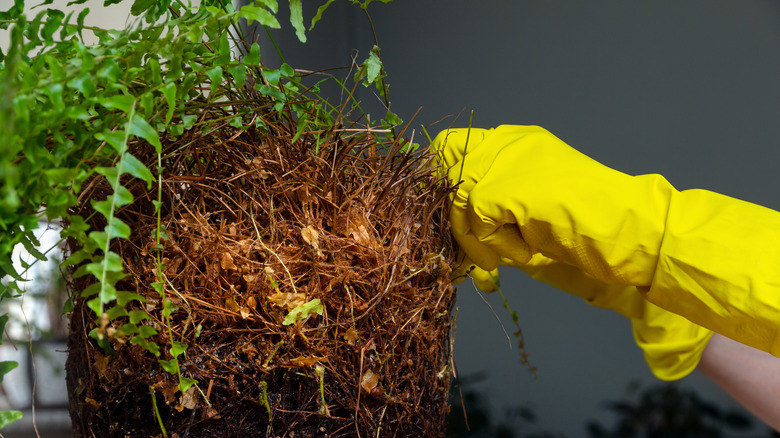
(157, 412)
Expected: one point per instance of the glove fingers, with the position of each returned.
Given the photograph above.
(483, 237)
(486, 281)
(484, 240)
(462, 268)
(479, 253)
(507, 242)
(451, 145)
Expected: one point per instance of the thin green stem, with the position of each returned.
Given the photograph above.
(157, 412)
(264, 398)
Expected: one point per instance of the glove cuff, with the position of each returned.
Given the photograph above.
(718, 266)
(672, 345)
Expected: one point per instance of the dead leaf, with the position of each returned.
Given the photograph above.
(369, 381)
(246, 245)
(351, 336)
(189, 399)
(212, 413)
(289, 300)
(302, 361)
(172, 267)
(251, 303)
(359, 232)
(101, 365)
(303, 194)
(357, 227)
(226, 261)
(93, 402)
(251, 280)
(250, 350)
(168, 390)
(232, 305)
(311, 236)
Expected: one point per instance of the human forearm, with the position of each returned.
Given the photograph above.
(749, 375)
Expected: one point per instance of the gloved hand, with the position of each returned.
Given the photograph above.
(710, 258)
(523, 191)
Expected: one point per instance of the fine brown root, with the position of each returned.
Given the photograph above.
(257, 225)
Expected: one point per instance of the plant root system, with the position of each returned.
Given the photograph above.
(254, 228)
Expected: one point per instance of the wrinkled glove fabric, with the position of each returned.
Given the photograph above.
(525, 198)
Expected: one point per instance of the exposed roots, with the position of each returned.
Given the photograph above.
(256, 226)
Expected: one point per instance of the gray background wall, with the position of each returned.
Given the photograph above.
(688, 89)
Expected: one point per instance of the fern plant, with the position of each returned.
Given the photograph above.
(237, 244)
(71, 113)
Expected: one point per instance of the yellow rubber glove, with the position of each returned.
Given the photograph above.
(486, 281)
(672, 345)
(707, 257)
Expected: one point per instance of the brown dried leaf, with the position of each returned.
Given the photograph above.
(303, 194)
(168, 390)
(250, 350)
(246, 245)
(172, 267)
(289, 300)
(189, 399)
(244, 311)
(351, 336)
(101, 365)
(302, 361)
(212, 413)
(400, 251)
(360, 234)
(232, 305)
(369, 381)
(251, 303)
(357, 227)
(226, 261)
(311, 236)
(251, 280)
